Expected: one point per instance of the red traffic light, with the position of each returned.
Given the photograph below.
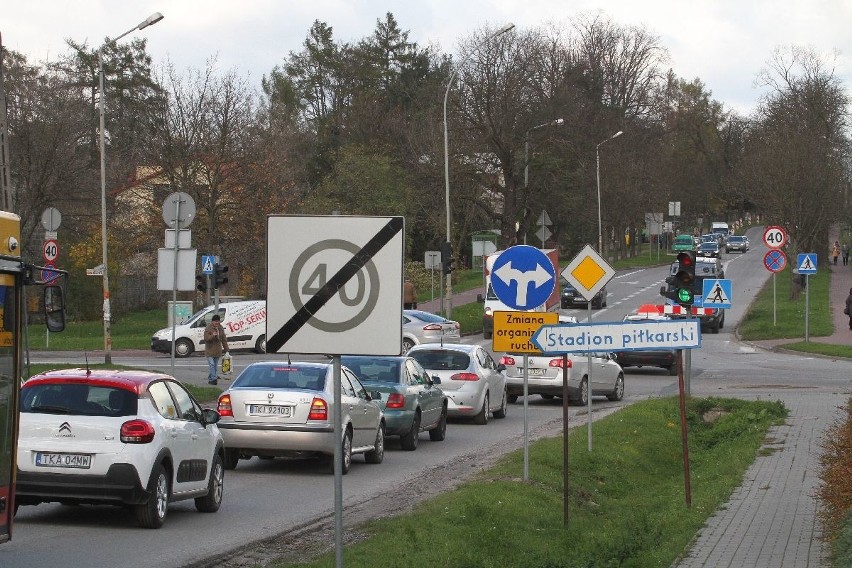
(686, 259)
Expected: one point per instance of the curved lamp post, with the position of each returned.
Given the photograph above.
(453, 75)
(150, 20)
(598, 160)
(556, 122)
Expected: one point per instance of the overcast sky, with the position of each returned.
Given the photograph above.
(725, 43)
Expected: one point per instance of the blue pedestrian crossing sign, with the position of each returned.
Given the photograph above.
(807, 263)
(207, 262)
(716, 294)
(523, 277)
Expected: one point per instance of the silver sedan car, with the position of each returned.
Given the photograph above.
(473, 382)
(284, 409)
(424, 327)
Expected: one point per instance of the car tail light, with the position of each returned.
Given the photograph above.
(465, 377)
(432, 327)
(558, 363)
(507, 360)
(395, 400)
(319, 410)
(224, 407)
(137, 432)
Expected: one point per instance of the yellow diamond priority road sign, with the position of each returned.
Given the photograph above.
(513, 330)
(588, 273)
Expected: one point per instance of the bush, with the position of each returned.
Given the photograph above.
(835, 492)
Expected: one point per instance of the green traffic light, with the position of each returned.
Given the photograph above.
(684, 295)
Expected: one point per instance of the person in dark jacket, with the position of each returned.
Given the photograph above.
(848, 310)
(215, 344)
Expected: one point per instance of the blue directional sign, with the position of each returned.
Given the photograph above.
(523, 277)
(207, 262)
(716, 294)
(623, 336)
(807, 263)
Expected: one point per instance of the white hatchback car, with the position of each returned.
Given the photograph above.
(472, 381)
(120, 438)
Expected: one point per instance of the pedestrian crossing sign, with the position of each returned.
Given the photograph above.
(716, 294)
(207, 262)
(807, 263)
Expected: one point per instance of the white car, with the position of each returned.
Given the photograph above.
(424, 327)
(120, 438)
(472, 381)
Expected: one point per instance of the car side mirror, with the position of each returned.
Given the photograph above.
(209, 416)
(54, 308)
(501, 367)
(435, 380)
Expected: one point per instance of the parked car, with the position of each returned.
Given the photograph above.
(545, 376)
(117, 437)
(738, 243)
(286, 409)
(424, 327)
(709, 249)
(412, 401)
(571, 297)
(665, 358)
(471, 379)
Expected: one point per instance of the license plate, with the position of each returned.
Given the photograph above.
(81, 461)
(269, 409)
(530, 372)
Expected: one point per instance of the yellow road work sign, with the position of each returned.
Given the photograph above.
(513, 330)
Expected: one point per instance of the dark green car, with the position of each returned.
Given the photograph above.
(683, 242)
(411, 400)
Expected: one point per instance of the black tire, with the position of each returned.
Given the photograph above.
(347, 453)
(152, 513)
(377, 454)
(439, 432)
(232, 458)
(617, 392)
(513, 398)
(409, 440)
(260, 345)
(211, 502)
(715, 327)
(672, 369)
(482, 417)
(406, 345)
(184, 347)
(583, 398)
(501, 412)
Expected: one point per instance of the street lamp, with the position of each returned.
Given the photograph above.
(598, 159)
(453, 75)
(150, 20)
(556, 122)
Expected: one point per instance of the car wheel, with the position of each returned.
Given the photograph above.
(410, 438)
(715, 327)
(152, 513)
(617, 392)
(513, 398)
(406, 345)
(482, 417)
(183, 347)
(439, 432)
(583, 399)
(232, 458)
(547, 396)
(347, 453)
(377, 454)
(215, 487)
(672, 369)
(501, 412)
(260, 346)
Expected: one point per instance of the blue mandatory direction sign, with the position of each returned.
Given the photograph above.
(807, 263)
(523, 277)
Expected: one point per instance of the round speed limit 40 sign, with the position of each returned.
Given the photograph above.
(775, 237)
(50, 250)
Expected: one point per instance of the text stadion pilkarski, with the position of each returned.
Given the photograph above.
(626, 336)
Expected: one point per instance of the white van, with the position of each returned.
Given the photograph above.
(244, 324)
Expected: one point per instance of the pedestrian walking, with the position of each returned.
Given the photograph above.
(844, 254)
(835, 251)
(215, 344)
(848, 309)
(409, 295)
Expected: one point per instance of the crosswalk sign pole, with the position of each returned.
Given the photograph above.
(807, 307)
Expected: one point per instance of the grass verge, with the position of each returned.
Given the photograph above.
(627, 505)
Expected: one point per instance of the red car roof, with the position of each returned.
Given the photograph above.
(131, 380)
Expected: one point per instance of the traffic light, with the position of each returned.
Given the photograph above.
(201, 283)
(447, 257)
(220, 276)
(684, 278)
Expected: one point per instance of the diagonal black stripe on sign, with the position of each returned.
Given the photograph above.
(334, 284)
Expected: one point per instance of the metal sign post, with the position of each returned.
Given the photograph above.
(807, 265)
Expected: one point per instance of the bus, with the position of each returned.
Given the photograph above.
(15, 275)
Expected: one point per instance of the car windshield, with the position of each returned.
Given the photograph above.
(708, 246)
(736, 239)
(425, 316)
(442, 360)
(282, 376)
(78, 399)
(375, 369)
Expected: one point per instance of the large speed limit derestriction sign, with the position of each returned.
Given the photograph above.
(334, 284)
